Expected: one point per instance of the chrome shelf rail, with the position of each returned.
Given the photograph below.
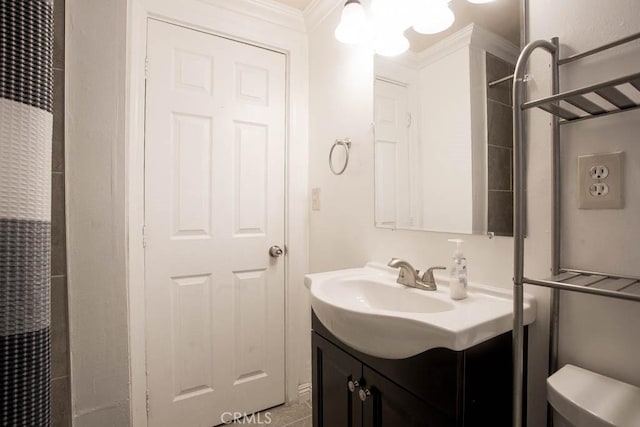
(519, 214)
(595, 284)
(582, 105)
(599, 49)
(589, 108)
(504, 79)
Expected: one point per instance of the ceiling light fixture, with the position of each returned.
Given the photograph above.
(433, 17)
(390, 43)
(353, 27)
(393, 13)
(389, 20)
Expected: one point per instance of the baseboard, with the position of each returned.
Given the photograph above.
(304, 392)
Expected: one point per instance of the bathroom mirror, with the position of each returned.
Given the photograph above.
(443, 126)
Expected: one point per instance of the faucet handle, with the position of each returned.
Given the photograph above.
(427, 277)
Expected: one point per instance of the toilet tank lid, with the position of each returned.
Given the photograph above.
(588, 399)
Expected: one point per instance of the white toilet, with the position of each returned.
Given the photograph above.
(586, 399)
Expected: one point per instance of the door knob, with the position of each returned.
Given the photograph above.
(352, 385)
(276, 251)
(364, 394)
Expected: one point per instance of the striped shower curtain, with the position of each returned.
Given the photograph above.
(26, 39)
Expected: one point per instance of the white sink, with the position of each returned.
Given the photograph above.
(369, 311)
(365, 293)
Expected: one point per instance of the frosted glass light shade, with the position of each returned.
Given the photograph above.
(433, 17)
(395, 13)
(353, 27)
(391, 43)
(480, 1)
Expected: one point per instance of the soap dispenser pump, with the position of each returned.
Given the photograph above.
(458, 272)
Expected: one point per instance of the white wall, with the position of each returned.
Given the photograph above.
(95, 165)
(342, 233)
(596, 333)
(340, 105)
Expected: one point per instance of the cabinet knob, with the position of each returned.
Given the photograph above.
(352, 385)
(364, 394)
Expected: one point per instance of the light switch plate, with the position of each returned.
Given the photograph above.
(315, 199)
(598, 190)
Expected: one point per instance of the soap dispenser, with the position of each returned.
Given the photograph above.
(458, 272)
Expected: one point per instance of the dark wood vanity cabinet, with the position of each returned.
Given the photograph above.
(439, 387)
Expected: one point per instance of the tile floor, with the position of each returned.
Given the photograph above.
(294, 415)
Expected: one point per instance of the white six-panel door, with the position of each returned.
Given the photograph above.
(214, 204)
(392, 168)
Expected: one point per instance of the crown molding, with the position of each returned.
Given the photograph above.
(494, 44)
(445, 47)
(471, 35)
(408, 59)
(266, 10)
(318, 10)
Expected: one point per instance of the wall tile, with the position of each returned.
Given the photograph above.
(500, 212)
(499, 124)
(57, 154)
(500, 148)
(499, 168)
(58, 32)
(60, 386)
(60, 403)
(497, 69)
(58, 239)
(59, 328)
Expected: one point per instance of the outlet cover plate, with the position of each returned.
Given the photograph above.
(613, 198)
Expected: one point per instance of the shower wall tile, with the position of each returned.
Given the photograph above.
(499, 124)
(499, 168)
(59, 329)
(499, 148)
(497, 69)
(57, 157)
(58, 236)
(60, 403)
(58, 34)
(60, 385)
(500, 212)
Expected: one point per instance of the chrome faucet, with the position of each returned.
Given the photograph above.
(411, 277)
(408, 275)
(427, 278)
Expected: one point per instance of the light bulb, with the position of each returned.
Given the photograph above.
(433, 17)
(353, 27)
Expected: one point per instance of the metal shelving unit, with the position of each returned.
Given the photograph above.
(603, 284)
(598, 100)
(588, 109)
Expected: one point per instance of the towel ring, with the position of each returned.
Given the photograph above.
(346, 143)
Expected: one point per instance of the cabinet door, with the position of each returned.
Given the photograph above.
(389, 405)
(334, 405)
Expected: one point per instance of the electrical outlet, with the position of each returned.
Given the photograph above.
(599, 172)
(599, 189)
(600, 181)
(315, 199)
